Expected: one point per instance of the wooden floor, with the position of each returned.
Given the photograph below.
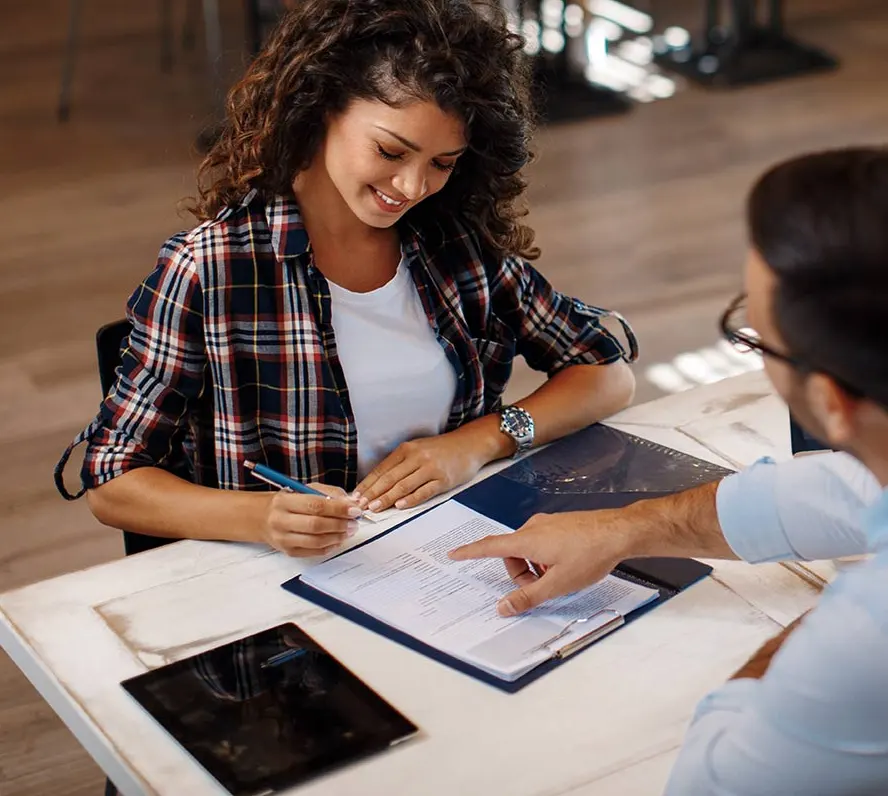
(641, 213)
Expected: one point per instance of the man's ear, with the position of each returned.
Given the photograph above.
(833, 408)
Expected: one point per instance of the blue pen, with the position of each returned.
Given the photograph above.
(284, 482)
(281, 481)
(282, 657)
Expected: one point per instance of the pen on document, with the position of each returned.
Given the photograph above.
(811, 578)
(537, 569)
(279, 480)
(287, 484)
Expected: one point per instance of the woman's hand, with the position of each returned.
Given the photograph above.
(420, 469)
(310, 525)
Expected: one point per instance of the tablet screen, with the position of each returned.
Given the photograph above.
(269, 711)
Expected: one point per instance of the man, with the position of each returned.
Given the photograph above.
(813, 719)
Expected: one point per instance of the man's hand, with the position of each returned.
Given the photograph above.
(418, 470)
(574, 549)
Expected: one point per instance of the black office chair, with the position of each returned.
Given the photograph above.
(109, 345)
(109, 341)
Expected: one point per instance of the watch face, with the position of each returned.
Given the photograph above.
(516, 423)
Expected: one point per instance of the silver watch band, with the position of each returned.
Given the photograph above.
(518, 423)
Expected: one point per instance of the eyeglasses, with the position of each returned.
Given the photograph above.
(736, 330)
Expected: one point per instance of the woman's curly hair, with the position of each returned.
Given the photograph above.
(326, 53)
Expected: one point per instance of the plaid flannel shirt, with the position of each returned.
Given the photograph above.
(232, 354)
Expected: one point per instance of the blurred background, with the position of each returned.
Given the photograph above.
(658, 115)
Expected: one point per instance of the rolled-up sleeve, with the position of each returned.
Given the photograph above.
(816, 724)
(804, 509)
(143, 418)
(554, 331)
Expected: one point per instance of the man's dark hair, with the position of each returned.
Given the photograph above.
(820, 223)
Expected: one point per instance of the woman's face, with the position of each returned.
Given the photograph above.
(384, 160)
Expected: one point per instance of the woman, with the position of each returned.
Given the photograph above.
(349, 310)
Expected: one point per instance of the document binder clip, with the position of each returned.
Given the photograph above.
(616, 620)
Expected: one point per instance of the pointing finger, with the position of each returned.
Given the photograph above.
(507, 545)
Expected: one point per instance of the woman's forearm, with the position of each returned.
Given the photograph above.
(577, 397)
(154, 502)
(572, 399)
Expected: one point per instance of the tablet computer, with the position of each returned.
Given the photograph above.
(269, 711)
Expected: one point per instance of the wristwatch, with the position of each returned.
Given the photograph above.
(518, 424)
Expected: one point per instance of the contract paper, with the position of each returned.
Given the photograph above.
(405, 579)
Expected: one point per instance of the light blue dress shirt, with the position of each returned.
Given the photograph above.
(817, 723)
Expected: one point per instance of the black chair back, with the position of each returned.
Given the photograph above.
(110, 340)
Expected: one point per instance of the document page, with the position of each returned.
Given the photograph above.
(405, 579)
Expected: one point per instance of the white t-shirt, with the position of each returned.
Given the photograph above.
(399, 381)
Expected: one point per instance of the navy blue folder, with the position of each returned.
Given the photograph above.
(595, 468)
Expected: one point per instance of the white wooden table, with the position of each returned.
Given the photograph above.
(608, 722)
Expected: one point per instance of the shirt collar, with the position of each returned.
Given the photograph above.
(876, 523)
(289, 238)
(288, 235)
(410, 244)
